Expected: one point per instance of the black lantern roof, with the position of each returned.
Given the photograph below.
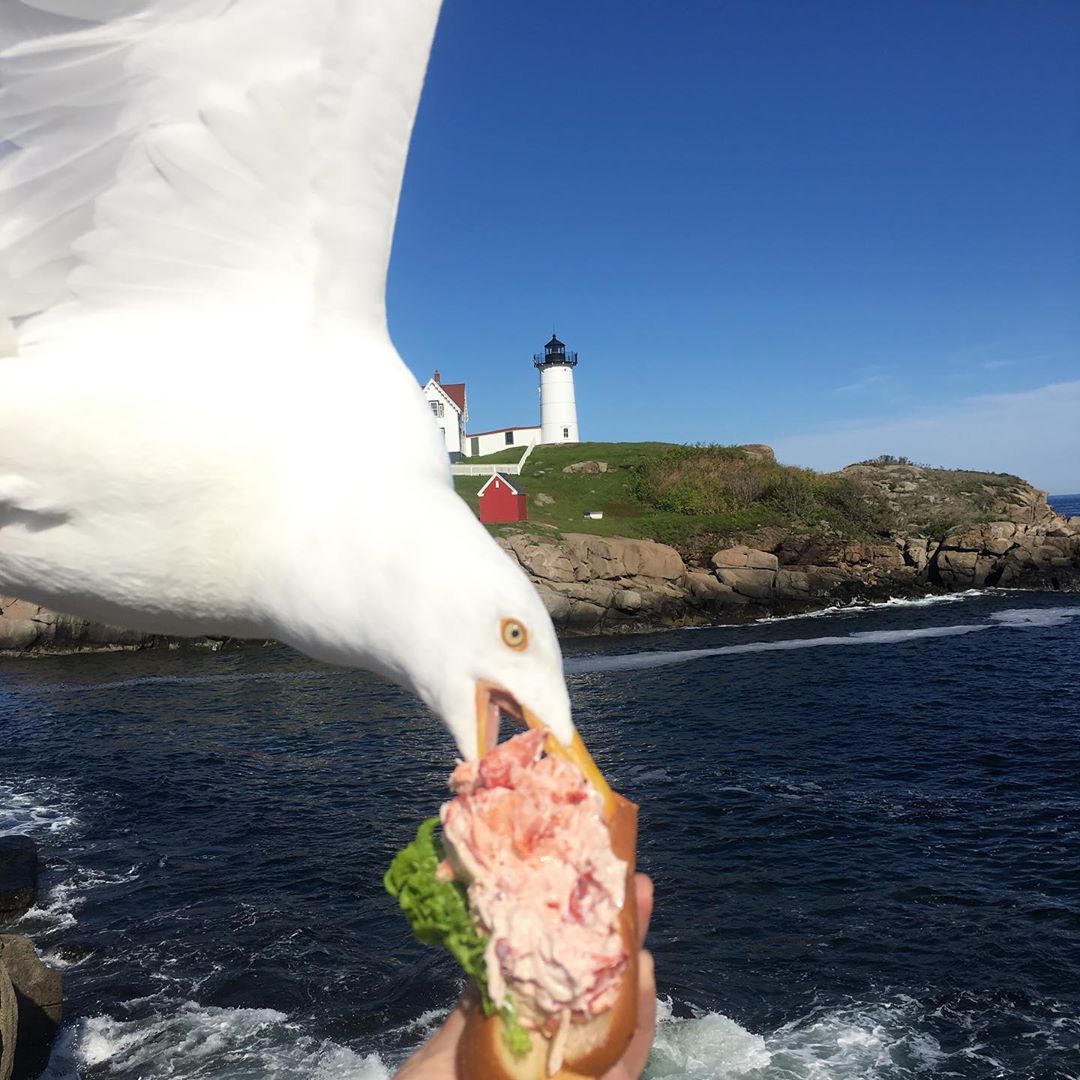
(555, 353)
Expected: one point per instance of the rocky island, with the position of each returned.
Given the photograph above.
(693, 535)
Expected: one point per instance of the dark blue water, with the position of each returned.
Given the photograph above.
(864, 829)
(1066, 505)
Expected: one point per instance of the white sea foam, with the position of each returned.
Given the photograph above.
(1019, 619)
(871, 1040)
(190, 1040)
(642, 660)
(707, 1046)
(58, 908)
(1023, 618)
(33, 809)
(856, 607)
(854, 1042)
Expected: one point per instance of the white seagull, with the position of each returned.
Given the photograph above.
(197, 201)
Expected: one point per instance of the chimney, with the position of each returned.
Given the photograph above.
(437, 377)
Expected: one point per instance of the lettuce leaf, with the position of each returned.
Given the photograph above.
(438, 913)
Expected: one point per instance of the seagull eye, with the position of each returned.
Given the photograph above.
(514, 634)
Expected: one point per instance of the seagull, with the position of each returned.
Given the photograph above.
(205, 427)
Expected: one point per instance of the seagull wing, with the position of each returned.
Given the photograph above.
(196, 165)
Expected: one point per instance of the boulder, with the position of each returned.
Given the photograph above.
(793, 584)
(740, 556)
(756, 584)
(31, 1009)
(759, 451)
(9, 1025)
(540, 557)
(18, 876)
(617, 556)
(543, 499)
(956, 568)
(997, 546)
(824, 579)
(706, 592)
(586, 467)
(917, 552)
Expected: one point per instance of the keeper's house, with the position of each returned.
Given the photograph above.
(501, 500)
(491, 442)
(450, 407)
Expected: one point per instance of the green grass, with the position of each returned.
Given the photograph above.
(574, 494)
(696, 498)
(511, 455)
(617, 494)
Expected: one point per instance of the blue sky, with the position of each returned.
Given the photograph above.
(843, 228)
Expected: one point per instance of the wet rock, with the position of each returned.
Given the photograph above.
(18, 876)
(31, 1009)
(72, 952)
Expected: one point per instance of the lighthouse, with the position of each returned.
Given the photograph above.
(558, 410)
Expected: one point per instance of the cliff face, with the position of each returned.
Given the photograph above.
(955, 531)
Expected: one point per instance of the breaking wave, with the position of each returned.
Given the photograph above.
(878, 1040)
(33, 808)
(1020, 619)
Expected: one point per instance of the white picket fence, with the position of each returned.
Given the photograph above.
(487, 470)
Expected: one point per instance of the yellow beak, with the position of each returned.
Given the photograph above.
(491, 698)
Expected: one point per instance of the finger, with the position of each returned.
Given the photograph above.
(637, 1053)
(644, 886)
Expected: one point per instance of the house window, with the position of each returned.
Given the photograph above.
(509, 436)
(566, 433)
(436, 407)
(475, 447)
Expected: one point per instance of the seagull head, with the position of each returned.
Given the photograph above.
(487, 648)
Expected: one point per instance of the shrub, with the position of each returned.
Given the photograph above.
(723, 481)
(702, 480)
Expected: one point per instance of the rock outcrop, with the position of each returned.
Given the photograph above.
(25, 626)
(586, 467)
(31, 1009)
(18, 876)
(590, 582)
(593, 584)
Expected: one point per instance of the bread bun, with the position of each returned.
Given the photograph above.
(592, 1047)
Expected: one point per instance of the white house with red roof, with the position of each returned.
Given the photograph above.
(450, 407)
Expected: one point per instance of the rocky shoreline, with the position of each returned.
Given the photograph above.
(601, 585)
(596, 585)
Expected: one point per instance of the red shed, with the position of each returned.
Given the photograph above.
(501, 501)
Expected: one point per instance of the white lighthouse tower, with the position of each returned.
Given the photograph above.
(558, 410)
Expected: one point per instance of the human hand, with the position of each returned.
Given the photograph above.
(435, 1059)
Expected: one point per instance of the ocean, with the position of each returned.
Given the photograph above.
(863, 827)
(1066, 505)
